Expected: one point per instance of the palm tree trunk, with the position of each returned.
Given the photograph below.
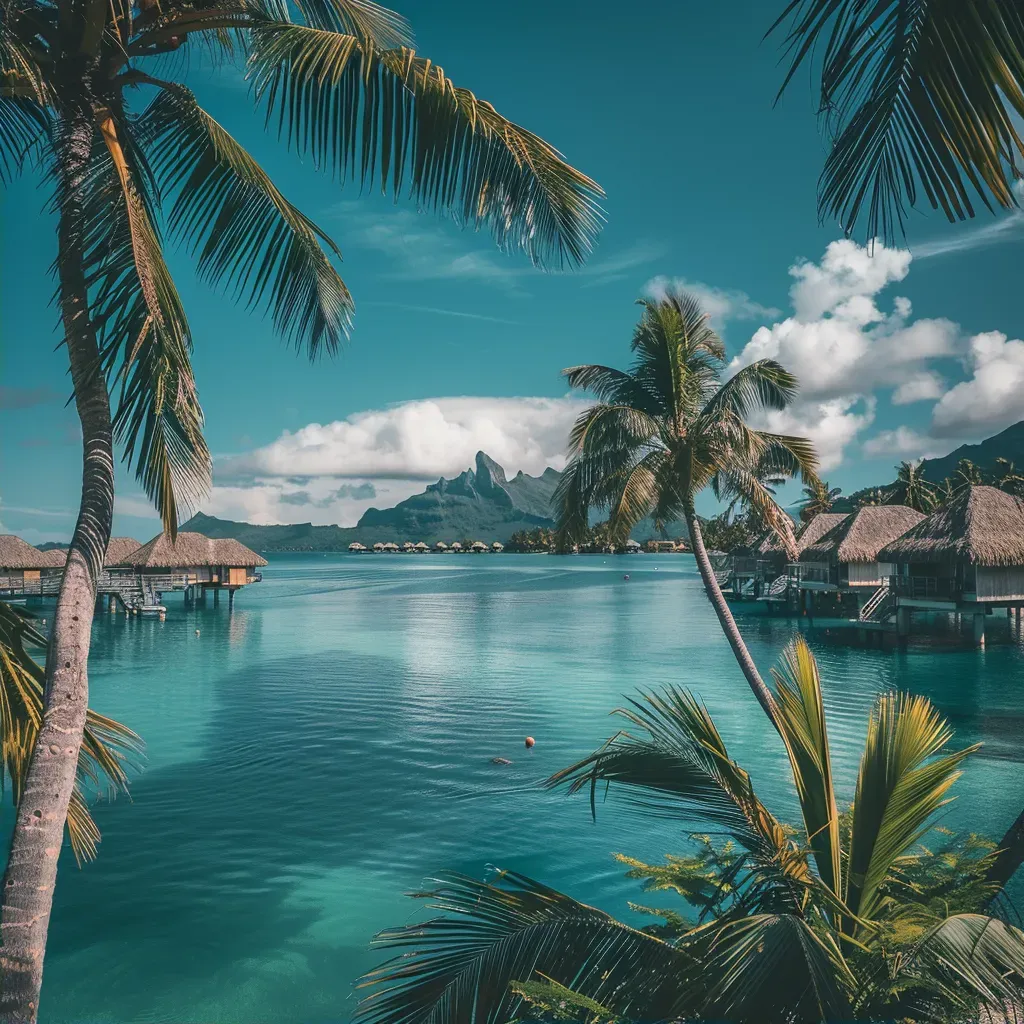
(39, 832)
(1011, 854)
(728, 623)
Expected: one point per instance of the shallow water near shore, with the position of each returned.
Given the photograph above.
(327, 745)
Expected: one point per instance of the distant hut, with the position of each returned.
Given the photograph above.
(478, 547)
(391, 547)
(633, 547)
(421, 548)
(456, 546)
(408, 547)
(847, 555)
(119, 550)
(497, 546)
(970, 550)
(19, 561)
(379, 546)
(356, 548)
(56, 559)
(222, 562)
(440, 546)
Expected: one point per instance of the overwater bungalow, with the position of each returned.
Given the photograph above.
(119, 549)
(379, 546)
(20, 563)
(356, 548)
(391, 547)
(408, 547)
(497, 546)
(441, 546)
(456, 546)
(633, 547)
(56, 559)
(477, 547)
(967, 557)
(846, 557)
(422, 548)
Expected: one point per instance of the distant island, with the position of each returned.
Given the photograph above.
(479, 504)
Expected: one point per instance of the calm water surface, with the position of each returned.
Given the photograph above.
(327, 745)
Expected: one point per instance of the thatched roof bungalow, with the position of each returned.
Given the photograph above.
(456, 546)
(119, 549)
(56, 559)
(971, 549)
(408, 546)
(202, 559)
(19, 560)
(847, 555)
(440, 546)
(391, 547)
(421, 547)
(497, 546)
(478, 546)
(379, 546)
(355, 547)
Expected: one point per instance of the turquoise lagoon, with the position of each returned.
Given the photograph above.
(327, 746)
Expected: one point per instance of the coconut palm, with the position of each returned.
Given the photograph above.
(916, 96)
(670, 427)
(846, 916)
(912, 489)
(874, 496)
(88, 96)
(108, 750)
(967, 474)
(1008, 479)
(818, 498)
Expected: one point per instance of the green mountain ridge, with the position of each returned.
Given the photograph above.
(479, 504)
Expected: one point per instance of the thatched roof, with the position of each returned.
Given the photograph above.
(817, 528)
(421, 546)
(982, 526)
(191, 550)
(441, 546)
(456, 546)
(17, 554)
(119, 549)
(862, 534)
(56, 558)
(379, 546)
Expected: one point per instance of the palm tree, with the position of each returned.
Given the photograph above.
(914, 95)
(85, 97)
(967, 474)
(912, 489)
(848, 916)
(1008, 479)
(670, 427)
(108, 751)
(875, 496)
(818, 498)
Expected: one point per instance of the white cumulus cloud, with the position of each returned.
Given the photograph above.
(832, 425)
(993, 398)
(919, 388)
(902, 443)
(387, 454)
(721, 304)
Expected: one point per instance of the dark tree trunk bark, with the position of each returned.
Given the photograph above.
(728, 623)
(39, 832)
(1011, 854)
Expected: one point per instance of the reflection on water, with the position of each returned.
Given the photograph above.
(327, 745)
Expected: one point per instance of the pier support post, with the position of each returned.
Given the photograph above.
(902, 621)
(216, 596)
(979, 629)
(231, 599)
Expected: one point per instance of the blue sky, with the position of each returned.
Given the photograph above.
(903, 353)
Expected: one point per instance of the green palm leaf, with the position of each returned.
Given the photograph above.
(903, 781)
(918, 94)
(246, 234)
(109, 749)
(802, 727)
(774, 967)
(393, 117)
(678, 766)
(462, 967)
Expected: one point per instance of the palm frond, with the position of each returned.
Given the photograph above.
(614, 387)
(109, 749)
(903, 781)
(393, 117)
(769, 967)
(462, 967)
(371, 24)
(967, 959)
(23, 124)
(245, 233)
(801, 723)
(764, 384)
(144, 335)
(917, 95)
(678, 766)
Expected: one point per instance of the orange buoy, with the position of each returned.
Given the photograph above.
(530, 741)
